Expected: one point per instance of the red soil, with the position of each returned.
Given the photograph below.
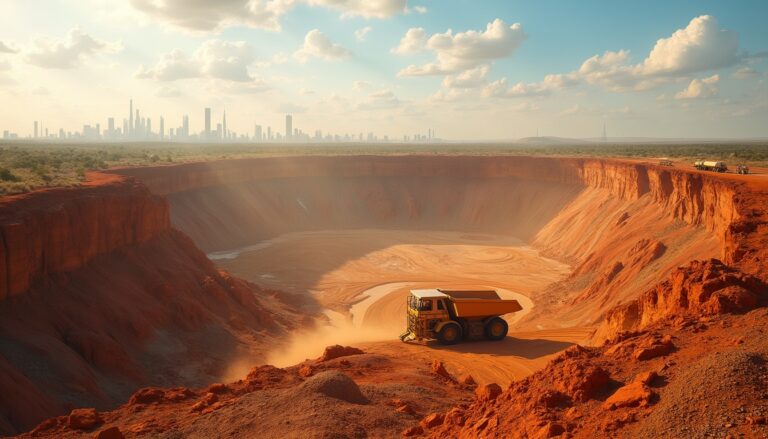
(114, 299)
(139, 304)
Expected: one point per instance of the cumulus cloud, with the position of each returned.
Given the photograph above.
(210, 15)
(361, 33)
(67, 52)
(414, 40)
(318, 45)
(7, 48)
(379, 100)
(463, 50)
(215, 15)
(365, 8)
(700, 88)
(501, 88)
(701, 46)
(468, 79)
(215, 59)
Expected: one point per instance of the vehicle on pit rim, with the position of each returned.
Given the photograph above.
(743, 169)
(454, 315)
(703, 165)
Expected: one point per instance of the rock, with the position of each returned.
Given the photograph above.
(646, 377)
(467, 380)
(147, 395)
(217, 388)
(413, 431)
(755, 420)
(653, 351)
(334, 384)
(405, 408)
(84, 419)
(439, 369)
(455, 416)
(553, 398)
(338, 351)
(112, 432)
(635, 394)
(306, 371)
(432, 420)
(488, 392)
(551, 430)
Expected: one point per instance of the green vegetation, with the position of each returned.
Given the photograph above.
(27, 166)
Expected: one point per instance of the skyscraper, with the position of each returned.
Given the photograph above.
(35, 136)
(224, 125)
(130, 123)
(288, 126)
(110, 127)
(257, 133)
(162, 128)
(207, 124)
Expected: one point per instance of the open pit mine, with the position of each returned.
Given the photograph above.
(264, 298)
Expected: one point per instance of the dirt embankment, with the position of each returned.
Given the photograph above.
(622, 225)
(138, 303)
(101, 296)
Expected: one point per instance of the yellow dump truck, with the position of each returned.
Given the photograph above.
(454, 315)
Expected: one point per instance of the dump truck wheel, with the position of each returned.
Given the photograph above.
(450, 333)
(496, 329)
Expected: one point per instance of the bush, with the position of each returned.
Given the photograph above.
(7, 175)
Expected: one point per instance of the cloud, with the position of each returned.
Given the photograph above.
(318, 45)
(362, 32)
(501, 89)
(215, 15)
(463, 50)
(214, 59)
(67, 52)
(7, 48)
(380, 100)
(417, 10)
(700, 88)
(361, 85)
(468, 79)
(209, 15)
(701, 46)
(745, 73)
(414, 40)
(365, 8)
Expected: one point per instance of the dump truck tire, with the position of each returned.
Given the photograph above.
(449, 334)
(496, 329)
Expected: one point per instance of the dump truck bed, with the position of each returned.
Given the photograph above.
(480, 303)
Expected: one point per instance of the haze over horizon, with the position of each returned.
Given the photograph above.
(495, 70)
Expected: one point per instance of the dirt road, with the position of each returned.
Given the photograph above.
(363, 276)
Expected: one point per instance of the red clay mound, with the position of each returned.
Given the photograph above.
(338, 351)
(100, 296)
(701, 288)
(712, 384)
(384, 397)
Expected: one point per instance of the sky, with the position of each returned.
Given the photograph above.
(470, 70)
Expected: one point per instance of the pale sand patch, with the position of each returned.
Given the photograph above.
(361, 278)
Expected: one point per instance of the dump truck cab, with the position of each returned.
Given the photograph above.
(450, 316)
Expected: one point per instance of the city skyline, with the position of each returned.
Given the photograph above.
(136, 127)
(469, 70)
